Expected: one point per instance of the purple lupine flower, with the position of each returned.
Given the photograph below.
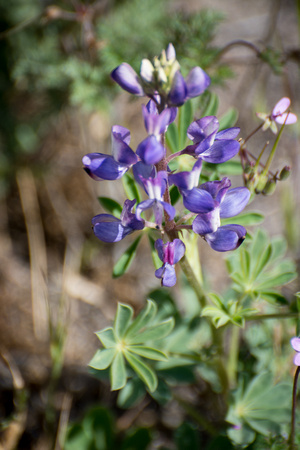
(209, 144)
(295, 343)
(111, 167)
(155, 188)
(278, 115)
(108, 228)
(169, 253)
(194, 199)
(163, 79)
(151, 150)
(193, 85)
(227, 203)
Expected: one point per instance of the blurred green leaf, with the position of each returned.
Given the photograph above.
(122, 319)
(130, 187)
(245, 219)
(111, 206)
(185, 118)
(143, 319)
(211, 109)
(172, 138)
(228, 119)
(123, 264)
(102, 358)
(107, 337)
(143, 371)
(148, 352)
(186, 437)
(139, 439)
(131, 394)
(118, 375)
(153, 332)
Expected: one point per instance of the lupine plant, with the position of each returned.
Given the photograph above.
(176, 192)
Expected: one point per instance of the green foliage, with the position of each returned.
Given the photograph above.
(124, 262)
(132, 340)
(223, 313)
(260, 266)
(111, 206)
(261, 408)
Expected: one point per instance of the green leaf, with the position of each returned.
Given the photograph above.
(76, 438)
(122, 319)
(186, 437)
(143, 319)
(245, 219)
(107, 337)
(142, 370)
(102, 358)
(279, 280)
(148, 352)
(158, 331)
(211, 108)
(111, 206)
(130, 188)
(123, 264)
(131, 394)
(232, 167)
(185, 117)
(228, 119)
(262, 261)
(174, 195)
(273, 297)
(172, 138)
(118, 375)
(139, 439)
(241, 436)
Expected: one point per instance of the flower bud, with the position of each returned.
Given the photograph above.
(147, 71)
(261, 183)
(269, 187)
(285, 173)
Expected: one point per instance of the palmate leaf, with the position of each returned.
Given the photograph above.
(107, 337)
(118, 376)
(144, 318)
(102, 358)
(122, 319)
(154, 332)
(148, 352)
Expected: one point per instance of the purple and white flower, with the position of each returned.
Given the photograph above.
(155, 187)
(111, 167)
(183, 89)
(169, 253)
(209, 144)
(227, 203)
(109, 228)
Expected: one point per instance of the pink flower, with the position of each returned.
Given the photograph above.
(279, 114)
(295, 343)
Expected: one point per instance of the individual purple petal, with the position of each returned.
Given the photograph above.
(281, 107)
(167, 274)
(178, 92)
(158, 210)
(207, 223)
(121, 151)
(227, 237)
(295, 343)
(150, 150)
(221, 151)
(287, 118)
(159, 246)
(187, 180)
(202, 128)
(229, 133)
(121, 133)
(234, 202)
(178, 250)
(111, 232)
(142, 171)
(297, 359)
(198, 201)
(143, 206)
(217, 188)
(103, 167)
(170, 210)
(128, 79)
(157, 123)
(104, 218)
(196, 82)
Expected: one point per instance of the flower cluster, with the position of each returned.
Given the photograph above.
(206, 203)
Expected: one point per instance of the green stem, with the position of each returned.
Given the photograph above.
(293, 416)
(271, 155)
(193, 282)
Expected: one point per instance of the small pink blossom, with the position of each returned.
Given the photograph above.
(295, 343)
(280, 114)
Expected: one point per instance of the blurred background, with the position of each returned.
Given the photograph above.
(57, 104)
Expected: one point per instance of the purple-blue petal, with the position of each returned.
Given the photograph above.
(170, 210)
(128, 219)
(217, 188)
(167, 274)
(121, 133)
(178, 92)
(234, 202)
(103, 167)
(121, 151)
(198, 200)
(202, 128)
(226, 238)
(229, 133)
(178, 250)
(205, 223)
(150, 150)
(157, 123)
(221, 151)
(143, 206)
(196, 81)
(187, 180)
(158, 210)
(143, 170)
(108, 228)
(128, 79)
(159, 246)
